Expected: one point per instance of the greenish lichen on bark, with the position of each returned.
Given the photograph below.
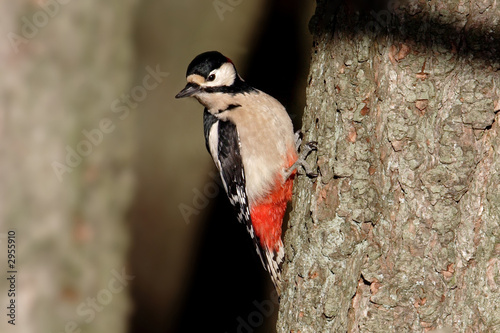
(401, 230)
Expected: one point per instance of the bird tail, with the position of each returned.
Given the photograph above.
(267, 218)
(274, 262)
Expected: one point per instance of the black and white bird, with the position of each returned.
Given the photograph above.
(251, 139)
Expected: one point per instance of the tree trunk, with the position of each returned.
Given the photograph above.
(401, 230)
(65, 169)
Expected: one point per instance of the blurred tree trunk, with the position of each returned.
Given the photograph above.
(65, 170)
(401, 230)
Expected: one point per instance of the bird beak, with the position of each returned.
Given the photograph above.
(189, 90)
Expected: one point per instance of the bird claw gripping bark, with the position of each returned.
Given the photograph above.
(303, 153)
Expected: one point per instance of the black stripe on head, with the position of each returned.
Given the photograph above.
(206, 62)
(239, 86)
(232, 106)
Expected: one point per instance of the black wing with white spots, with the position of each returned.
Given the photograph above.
(233, 177)
(231, 169)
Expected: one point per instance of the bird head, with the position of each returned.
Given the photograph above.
(209, 72)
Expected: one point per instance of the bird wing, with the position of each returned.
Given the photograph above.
(233, 177)
(223, 143)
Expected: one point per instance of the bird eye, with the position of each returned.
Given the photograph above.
(211, 77)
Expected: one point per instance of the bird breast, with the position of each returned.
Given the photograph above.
(266, 141)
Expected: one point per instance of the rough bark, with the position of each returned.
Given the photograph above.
(401, 230)
(58, 78)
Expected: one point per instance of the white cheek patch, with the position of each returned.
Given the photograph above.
(224, 76)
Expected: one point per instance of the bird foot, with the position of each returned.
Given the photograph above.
(303, 153)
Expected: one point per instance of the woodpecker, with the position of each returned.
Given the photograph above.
(251, 140)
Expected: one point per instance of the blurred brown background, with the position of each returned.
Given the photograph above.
(143, 198)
